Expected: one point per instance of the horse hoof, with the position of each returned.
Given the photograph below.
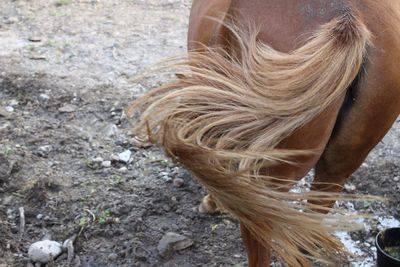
(208, 206)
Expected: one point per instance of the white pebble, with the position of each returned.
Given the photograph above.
(125, 156)
(114, 158)
(98, 160)
(106, 164)
(44, 251)
(44, 97)
(123, 170)
(13, 102)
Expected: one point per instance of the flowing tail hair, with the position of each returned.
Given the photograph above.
(223, 118)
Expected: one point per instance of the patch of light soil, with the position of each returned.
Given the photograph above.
(362, 259)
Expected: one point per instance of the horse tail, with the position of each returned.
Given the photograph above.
(227, 113)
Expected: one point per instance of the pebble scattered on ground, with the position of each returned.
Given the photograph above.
(125, 156)
(178, 182)
(171, 242)
(44, 251)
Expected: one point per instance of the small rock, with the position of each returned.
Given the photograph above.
(5, 126)
(13, 103)
(114, 158)
(396, 179)
(349, 187)
(112, 256)
(44, 251)
(166, 178)
(111, 130)
(68, 108)
(35, 39)
(7, 200)
(11, 20)
(11, 214)
(166, 207)
(106, 164)
(9, 109)
(44, 97)
(367, 245)
(178, 182)
(46, 148)
(4, 112)
(171, 242)
(123, 170)
(39, 216)
(98, 160)
(125, 156)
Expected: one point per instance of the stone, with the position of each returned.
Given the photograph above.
(106, 164)
(44, 97)
(46, 148)
(123, 170)
(111, 130)
(4, 112)
(44, 251)
(112, 256)
(35, 39)
(349, 187)
(114, 158)
(68, 108)
(13, 103)
(166, 178)
(172, 242)
(7, 200)
(98, 160)
(125, 156)
(178, 182)
(11, 20)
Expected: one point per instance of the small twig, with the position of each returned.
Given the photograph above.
(114, 53)
(69, 245)
(37, 57)
(91, 213)
(17, 195)
(21, 221)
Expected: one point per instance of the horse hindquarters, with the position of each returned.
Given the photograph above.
(373, 102)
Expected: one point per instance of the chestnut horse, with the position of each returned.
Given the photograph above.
(269, 90)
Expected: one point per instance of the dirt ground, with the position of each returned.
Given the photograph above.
(65, 69)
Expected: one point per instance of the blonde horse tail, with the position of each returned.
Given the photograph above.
(227, 113)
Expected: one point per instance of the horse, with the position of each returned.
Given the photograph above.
(269, 90)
